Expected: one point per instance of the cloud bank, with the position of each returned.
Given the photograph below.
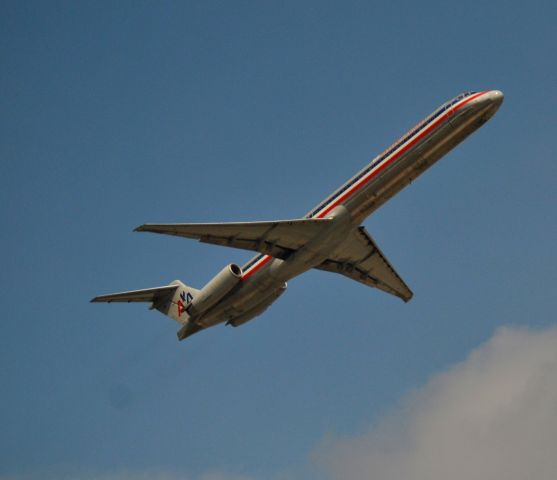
(493, 416)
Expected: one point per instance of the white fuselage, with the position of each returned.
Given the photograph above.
(264, 277)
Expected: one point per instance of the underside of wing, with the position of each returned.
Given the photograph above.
(360, 259)
(147, 295)
(277, 238)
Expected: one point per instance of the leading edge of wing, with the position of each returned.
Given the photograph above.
(195, 230)
(145, 295)
(276, 238)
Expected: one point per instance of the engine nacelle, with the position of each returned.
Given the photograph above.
(215, 290)
(258, 309)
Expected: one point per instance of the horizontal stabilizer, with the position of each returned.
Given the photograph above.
(154, 295)
(359, 258)
(277, 239)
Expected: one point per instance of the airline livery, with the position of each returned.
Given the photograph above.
(328, 238)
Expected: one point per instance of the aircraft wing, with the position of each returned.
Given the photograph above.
(277, 238)
(146, 295)
(360, 259)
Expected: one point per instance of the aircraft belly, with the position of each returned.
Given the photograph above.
(239, 319)
(250, 293)
(412, 164)
(316, 250)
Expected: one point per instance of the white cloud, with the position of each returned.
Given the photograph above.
(494, 416)
(491, 417)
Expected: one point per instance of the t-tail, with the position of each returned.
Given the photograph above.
(184, 304)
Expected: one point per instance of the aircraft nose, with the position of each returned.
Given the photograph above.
(496, 97)
(488, 102)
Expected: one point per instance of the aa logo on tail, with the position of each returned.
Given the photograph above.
(184, 302)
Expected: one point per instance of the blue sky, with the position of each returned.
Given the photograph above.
(114, 115)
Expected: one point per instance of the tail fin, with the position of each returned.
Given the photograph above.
(175, 306)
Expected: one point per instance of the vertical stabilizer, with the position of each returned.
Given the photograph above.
(176, 306)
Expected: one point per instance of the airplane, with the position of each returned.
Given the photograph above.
(329, 237)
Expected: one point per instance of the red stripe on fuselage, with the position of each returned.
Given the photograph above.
(366, 178)
(256, 267)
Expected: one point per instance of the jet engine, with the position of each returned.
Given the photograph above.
(258, 309)
(215, 290)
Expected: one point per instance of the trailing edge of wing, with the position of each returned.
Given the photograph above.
(359, 258)
(276, 238)
(146, 295)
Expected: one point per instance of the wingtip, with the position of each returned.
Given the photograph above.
(99, 299)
